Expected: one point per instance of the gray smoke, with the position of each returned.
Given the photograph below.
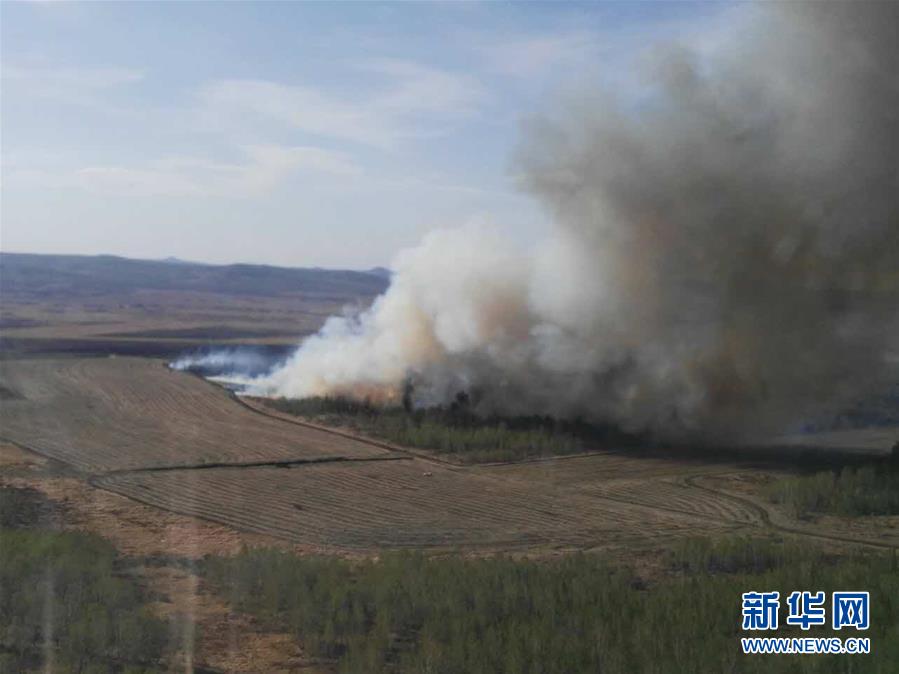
(236, 361)
(724, 259)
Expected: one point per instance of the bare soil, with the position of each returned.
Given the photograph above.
(174, 442)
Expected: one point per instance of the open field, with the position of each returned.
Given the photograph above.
(171, 440)
(119, 413)
(100, 305)
(389, 505)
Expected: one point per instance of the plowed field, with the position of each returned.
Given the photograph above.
(176, 442)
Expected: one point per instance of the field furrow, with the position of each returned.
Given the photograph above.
(121, 413)
(121, 419)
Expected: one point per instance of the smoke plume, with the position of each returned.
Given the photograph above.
(723, 259)
(237, 362)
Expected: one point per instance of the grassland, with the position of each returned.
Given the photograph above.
(869, 490)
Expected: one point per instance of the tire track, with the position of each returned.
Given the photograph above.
(424, 498)
(765, 517)
(762, 514)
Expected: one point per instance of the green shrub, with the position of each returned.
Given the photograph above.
(408, 613)
(869, 490)
(456, 430)
(64, 591)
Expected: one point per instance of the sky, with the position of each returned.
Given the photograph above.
(297, 134)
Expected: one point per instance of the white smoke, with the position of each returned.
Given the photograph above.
(723, 260)
(235, 362)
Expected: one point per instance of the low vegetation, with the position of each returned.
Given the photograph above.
(456, 430)
(868, 490)
(25, 508)
(65, 604)
(410, 613)
(731, 556)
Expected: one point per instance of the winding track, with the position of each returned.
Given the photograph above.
(182, 444)
(722, 506)
(765, 517)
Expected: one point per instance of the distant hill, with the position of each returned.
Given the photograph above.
(171, 259)
(42, 276)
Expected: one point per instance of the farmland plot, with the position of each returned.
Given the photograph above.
(176, 442)
(409, 503)
(119, 413)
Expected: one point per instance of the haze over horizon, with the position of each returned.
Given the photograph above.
(173, 259)
(280, 133)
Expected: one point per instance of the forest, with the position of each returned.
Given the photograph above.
(66, 603)
(852, 492)
(409, 613)
(457, 430)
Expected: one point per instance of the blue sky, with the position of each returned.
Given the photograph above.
(301, 134)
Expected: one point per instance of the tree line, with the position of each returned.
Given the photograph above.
(458, 430)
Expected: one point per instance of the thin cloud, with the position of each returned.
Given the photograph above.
(418, 89)
(65, 84)
(531, 56)
(414, 100)
(265, 168)
(248, 102)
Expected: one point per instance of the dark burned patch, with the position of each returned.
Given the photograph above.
(27, 508)
(17, 322)
(28, 347)
(209, 332)
(7, 393)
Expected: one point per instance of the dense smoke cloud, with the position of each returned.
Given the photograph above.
(723, 259)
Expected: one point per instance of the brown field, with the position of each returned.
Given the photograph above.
(388, 505)
(173, 441)
(158, 324)
(101, 305)
(176, 317)
(107, 414)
